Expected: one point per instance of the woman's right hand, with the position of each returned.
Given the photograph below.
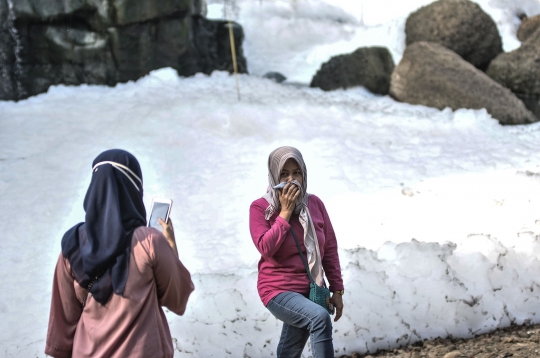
(168, 232)
(287, 198)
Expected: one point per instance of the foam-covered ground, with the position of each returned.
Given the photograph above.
(437, 212)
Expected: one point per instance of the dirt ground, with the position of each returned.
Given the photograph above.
(515, 341)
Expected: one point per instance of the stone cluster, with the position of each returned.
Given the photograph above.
(454, 58)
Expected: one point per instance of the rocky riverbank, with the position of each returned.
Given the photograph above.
(514, 341)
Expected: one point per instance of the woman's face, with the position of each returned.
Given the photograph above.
(291, 171)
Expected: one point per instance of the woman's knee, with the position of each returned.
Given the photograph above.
(322, 321)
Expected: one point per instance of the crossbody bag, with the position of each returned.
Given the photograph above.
(319, 295)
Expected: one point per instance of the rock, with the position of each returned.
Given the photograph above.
(432, 75)
(370, 67)
(478, 346)
(519, 70)
(531, 102)
(210, 48)
(136, 11)
(8, 84)
(199, 7)
(527, 27)
(107, 13)
(275, 76)
(460, 25)
(44, 43)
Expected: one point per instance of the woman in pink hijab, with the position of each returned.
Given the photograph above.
(283, 282)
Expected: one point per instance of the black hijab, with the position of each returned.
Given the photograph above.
(114, 209)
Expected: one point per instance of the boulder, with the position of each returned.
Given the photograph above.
(275, 76)
(527, 27)
(429, 74)
(370, 67)
(531, 102)
(460, 25)
(519, 70)
(44, 43)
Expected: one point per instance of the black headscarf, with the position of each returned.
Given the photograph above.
(114, 209)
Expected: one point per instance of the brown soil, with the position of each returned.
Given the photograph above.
(515, 341)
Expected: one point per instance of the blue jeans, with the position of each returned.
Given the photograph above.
(302, 319)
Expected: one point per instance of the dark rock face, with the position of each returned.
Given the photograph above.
(527, 27)
(44, 43)
(370, 67)
(519, 71)
(460, 25)
(210, 48)
(432, 75)
(8, 85)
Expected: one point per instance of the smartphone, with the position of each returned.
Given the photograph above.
(161, 208)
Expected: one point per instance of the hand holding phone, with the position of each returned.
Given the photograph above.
(168, 232)
(161, 208)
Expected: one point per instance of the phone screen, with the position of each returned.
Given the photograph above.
(159, 210)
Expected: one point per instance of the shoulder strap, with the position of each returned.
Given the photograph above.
(302, 255)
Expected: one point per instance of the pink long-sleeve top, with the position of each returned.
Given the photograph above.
(281, 268)
(132, 325)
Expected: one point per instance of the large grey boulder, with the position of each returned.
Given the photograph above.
(429, 74)
(460, 25)
(370, 67)
(527, 27)
(519, 71)
(44, 43)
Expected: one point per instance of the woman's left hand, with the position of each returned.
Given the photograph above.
(337, 301)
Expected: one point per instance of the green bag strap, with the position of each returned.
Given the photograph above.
(302, 256)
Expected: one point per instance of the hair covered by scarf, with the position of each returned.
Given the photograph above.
(114, 209)
(276, 161)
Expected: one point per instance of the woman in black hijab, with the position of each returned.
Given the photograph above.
(114, 273)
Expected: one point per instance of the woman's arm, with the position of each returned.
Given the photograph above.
(331, 265)
(330, 260)
(168, 232)
(65, 312)
(173, 280)
(267, 238)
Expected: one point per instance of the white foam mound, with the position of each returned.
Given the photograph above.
(436, 212)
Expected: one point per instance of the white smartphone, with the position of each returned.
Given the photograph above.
(161, 208)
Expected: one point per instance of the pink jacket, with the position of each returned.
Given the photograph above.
(132, 325)
(280, 267)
